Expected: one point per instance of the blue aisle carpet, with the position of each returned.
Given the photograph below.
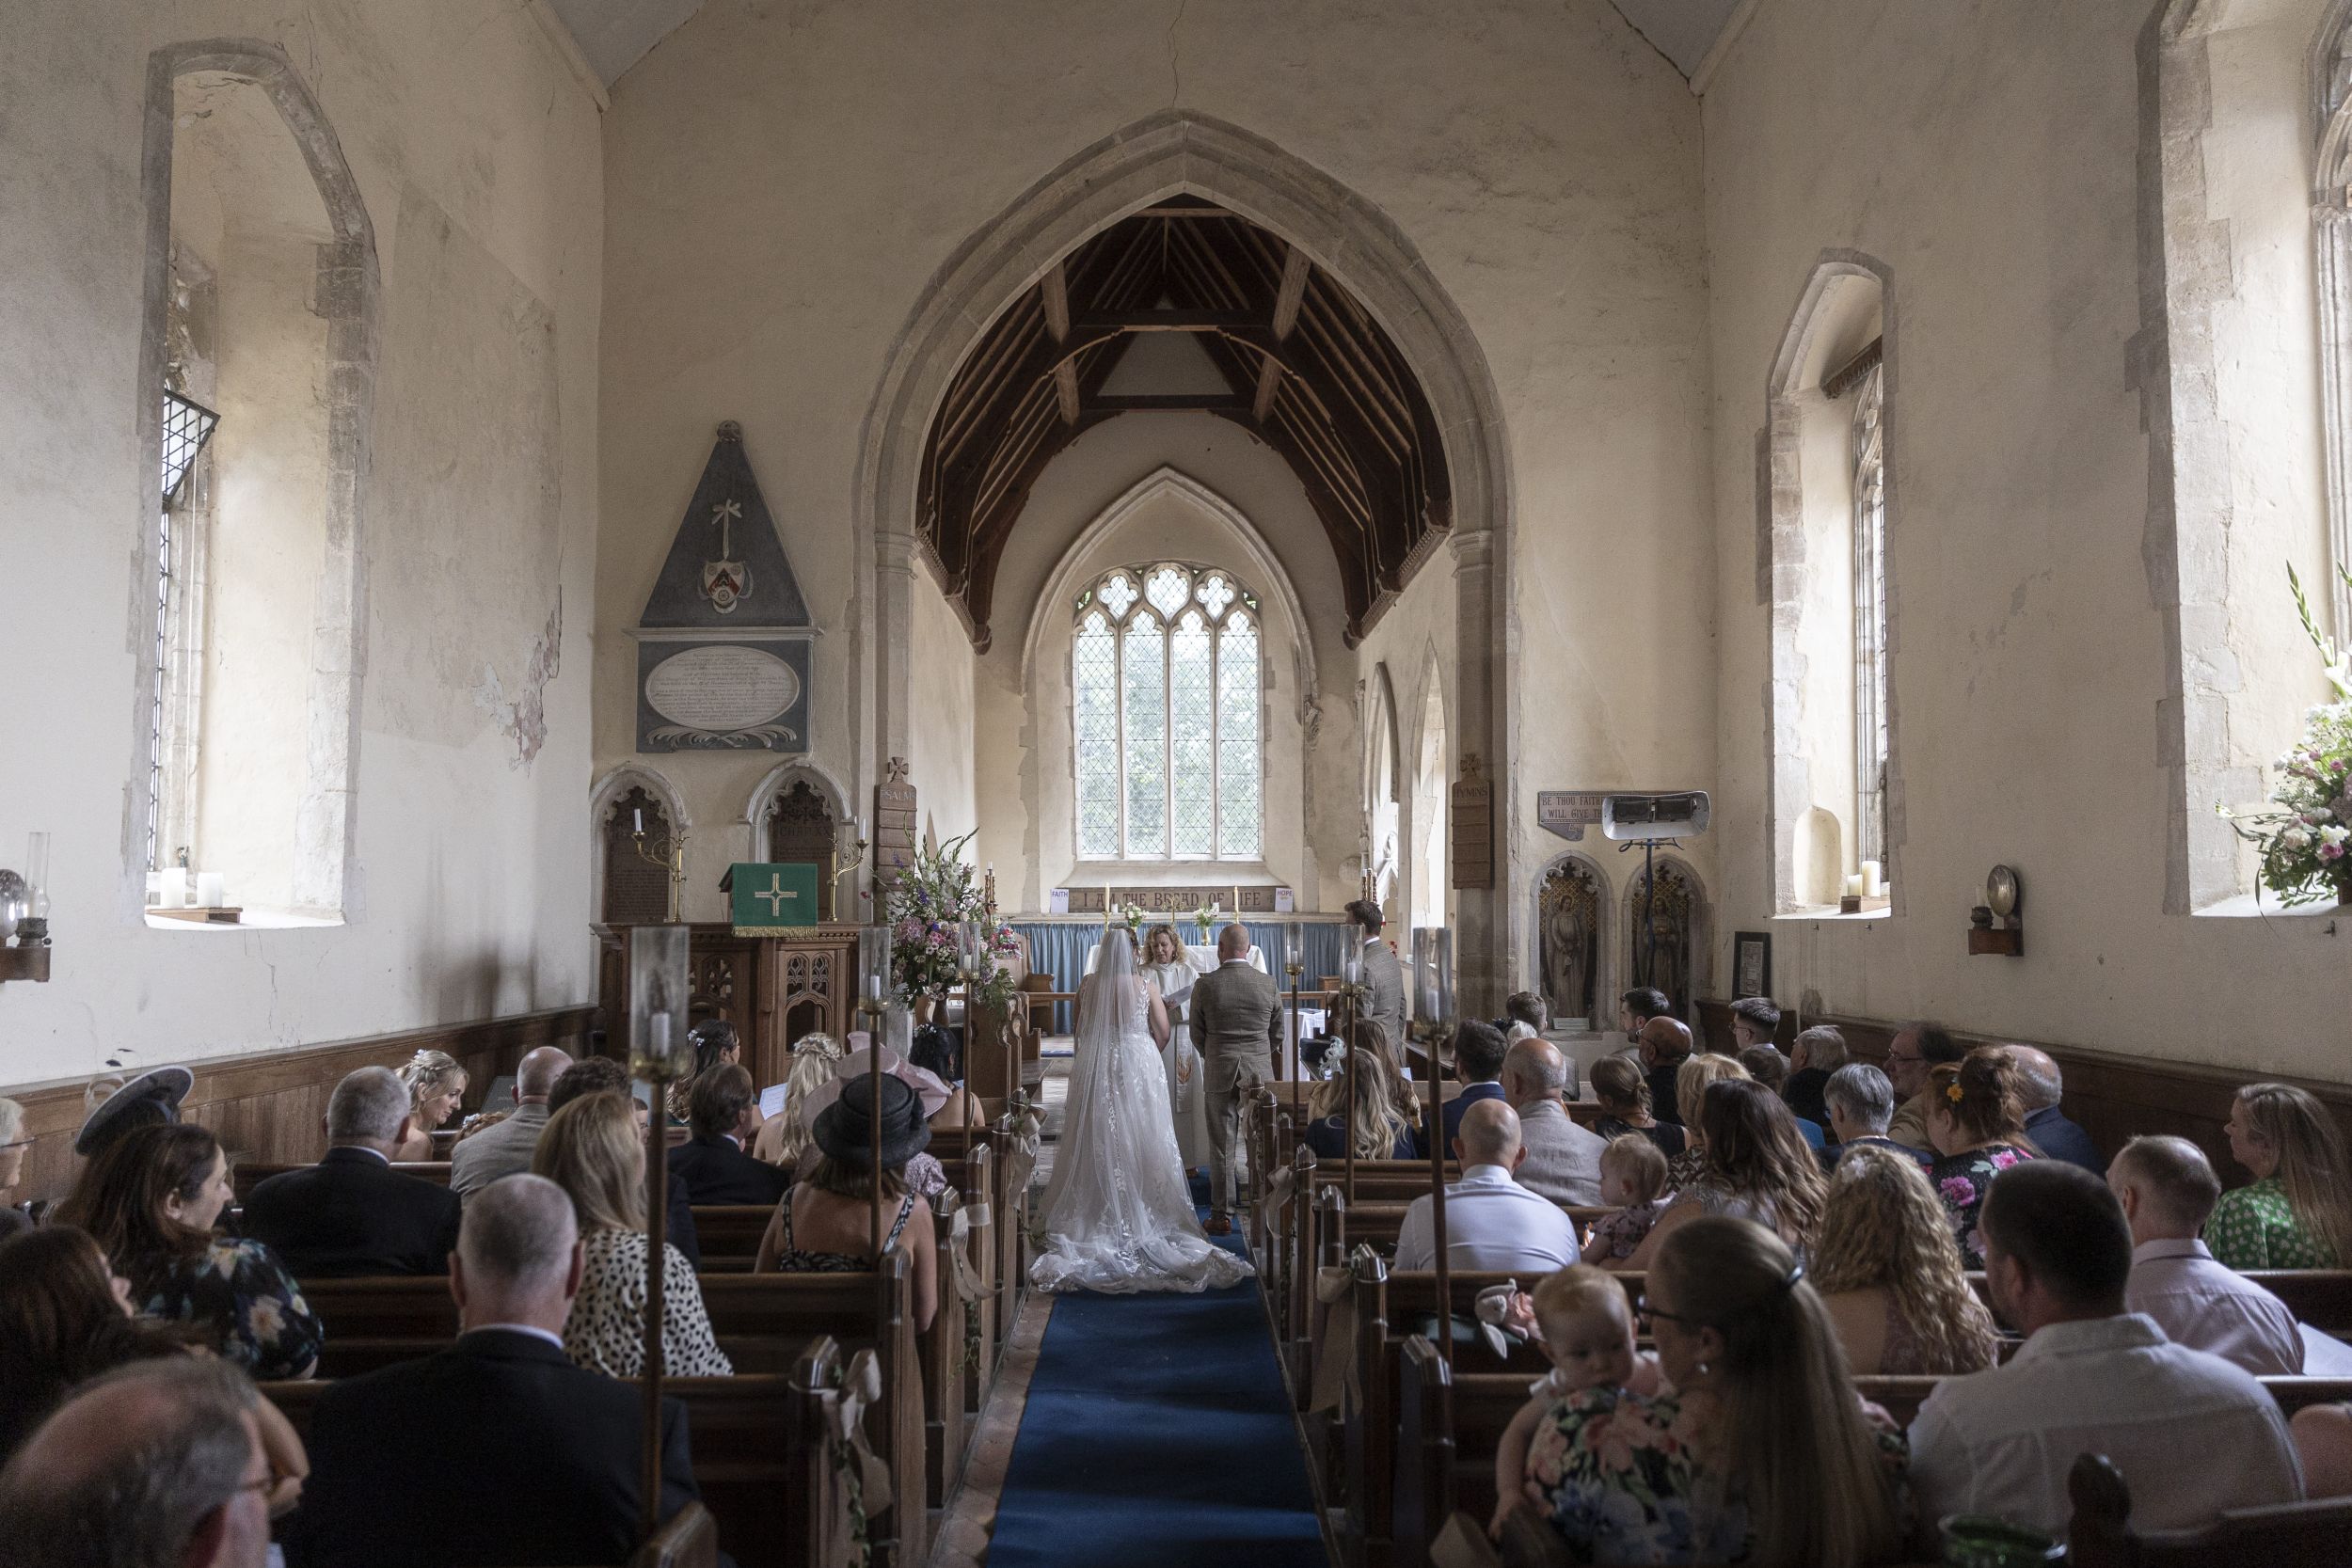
(1157, 1432)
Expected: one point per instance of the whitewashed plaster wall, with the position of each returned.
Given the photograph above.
(1989, 156)
(945, 729)
(1027, 804)
(781, 183)
(444, 110)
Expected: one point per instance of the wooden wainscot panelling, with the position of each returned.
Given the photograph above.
(2115, 1096)
(271, 1105)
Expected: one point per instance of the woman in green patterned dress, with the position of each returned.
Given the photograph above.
(2298, 1214)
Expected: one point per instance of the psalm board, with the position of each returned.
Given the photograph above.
(723, 647)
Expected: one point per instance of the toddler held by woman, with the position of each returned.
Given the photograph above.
(1585, 1325)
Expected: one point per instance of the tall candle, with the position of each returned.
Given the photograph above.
(658, 1032)
(1853, 885)
(640, 820)
(211, 890)
(1873, 883)
(172, 888)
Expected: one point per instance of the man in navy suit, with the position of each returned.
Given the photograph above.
(2051, 1132)
(355, 1212)
(1478, 1051)
(524, 1457)
(711, 1165)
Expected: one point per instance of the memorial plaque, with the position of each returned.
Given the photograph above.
(1568, 811)
(1470, 817)
(894, 825)
(749, 694)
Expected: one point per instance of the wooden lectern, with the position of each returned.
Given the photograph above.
(772, 989)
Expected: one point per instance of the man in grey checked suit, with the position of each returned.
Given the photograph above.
(1237, 1020)
(1384, 978)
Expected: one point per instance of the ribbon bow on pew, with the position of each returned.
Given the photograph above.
(968, 1284)
(1335, 1364)
(846, 1539)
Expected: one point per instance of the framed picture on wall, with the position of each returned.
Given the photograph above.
(1751, 964)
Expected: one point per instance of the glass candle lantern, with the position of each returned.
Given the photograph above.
(658, 989)
(873, 974)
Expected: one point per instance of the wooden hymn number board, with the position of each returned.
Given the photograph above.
(1472, 816)
(894, 828)
(770, 896)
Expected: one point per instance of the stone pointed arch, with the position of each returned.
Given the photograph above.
(1181, 152)
(1603, 924)
(347, 299)
(1261, 566)
(1781, 558)
(609, 788)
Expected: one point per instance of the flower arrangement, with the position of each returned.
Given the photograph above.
(1204, 917)
(1132, 916)
(935, 894)
(2303, 841)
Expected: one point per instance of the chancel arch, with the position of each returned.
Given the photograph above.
(1823, 568)
(1317, 235)
(261, 295)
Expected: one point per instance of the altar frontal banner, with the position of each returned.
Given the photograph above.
(771, 897)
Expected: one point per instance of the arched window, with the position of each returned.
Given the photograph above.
(1869, 614)
(1166, 680)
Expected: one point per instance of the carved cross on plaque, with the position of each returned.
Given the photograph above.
(725, 514)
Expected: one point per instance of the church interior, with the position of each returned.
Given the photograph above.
(645, 534)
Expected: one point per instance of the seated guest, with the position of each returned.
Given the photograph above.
(1818, 1053)
(602, 1074)
(437, 1087)
(1861, 1102)
(1382, 1129)
(113, 1108)
(2298, 1214)
(1632, 1181)
(160, 1464)
(1768, 1068)
(785, 1136)
(825, 1224)
(14, 1146)
(1492, 1224)
(151, 1201)
(1622, 1089)
(1915, 1049)
(716, 1044)
(1760, 1453)
(2167, 1190)
(923, 1173)
(65, 1317)
(1755, 1021)
(1978, 1128)
(592, 1150)
(711, 1164)
(548, 1453)
(2040, 1087)
(1664, 1045)
(1890, 1276)
(1584, 1325)
(1692, 1081)
(2191, 1434)
(352, 1214)
(1523, 1016)
(1637, 1007)
(1756, 1166)
(1478, 1051)
(504, 1149)
(1563, 1160)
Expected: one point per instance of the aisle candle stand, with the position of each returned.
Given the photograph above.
(873, 952)
(1294, 964)
(1432, 1025)
(1351, 989)
(660, 1055)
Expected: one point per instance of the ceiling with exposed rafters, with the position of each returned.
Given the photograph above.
(1299, 363)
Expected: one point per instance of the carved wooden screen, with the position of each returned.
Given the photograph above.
(636, 891)
(801, 829)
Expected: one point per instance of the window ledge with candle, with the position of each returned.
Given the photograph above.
(24, 915)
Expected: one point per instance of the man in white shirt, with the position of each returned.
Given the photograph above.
(1492, 1224)
(1562, 1160)
(2167, 1190)
(2191, 1434)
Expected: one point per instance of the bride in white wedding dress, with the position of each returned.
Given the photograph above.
(1117, 1214)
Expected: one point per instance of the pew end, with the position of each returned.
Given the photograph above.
(2313, 1534)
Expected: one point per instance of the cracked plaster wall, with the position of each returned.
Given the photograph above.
(1989, 155)
(470, 874)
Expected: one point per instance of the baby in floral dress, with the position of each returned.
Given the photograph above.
(1632, 1181)
(1585, 1325)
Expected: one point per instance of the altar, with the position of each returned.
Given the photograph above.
(774, 988)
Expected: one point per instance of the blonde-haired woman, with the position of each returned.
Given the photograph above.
(1384, 1130)
(1890, 1276)
(785, 1136)
(592, 1150)
(436, 1085)
(1760, 1453)
(2298, 1214)
(1692, 1082)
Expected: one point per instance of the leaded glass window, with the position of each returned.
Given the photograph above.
(1167, 680)
(1869, 616)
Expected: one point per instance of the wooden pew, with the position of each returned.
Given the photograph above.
(728, 1235)
(2313, 1534)
(1376, 1224)
(760, 1454)
(244, 1178)
(764, 1322)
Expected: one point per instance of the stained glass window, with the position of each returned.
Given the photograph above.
(1167, 679)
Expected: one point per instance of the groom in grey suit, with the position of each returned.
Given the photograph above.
(1236, 1020)
(1384, 978)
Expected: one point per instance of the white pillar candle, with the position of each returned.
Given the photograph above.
(1873, 883)
(1853, 885)
(172, 888)
(211, 890)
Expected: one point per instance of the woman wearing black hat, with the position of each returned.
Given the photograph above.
(825, 1223)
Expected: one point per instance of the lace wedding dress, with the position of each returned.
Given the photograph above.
(1119, 1215)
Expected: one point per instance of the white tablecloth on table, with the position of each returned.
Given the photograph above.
(1203, 959)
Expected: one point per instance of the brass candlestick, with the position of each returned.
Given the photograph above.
(671, 858)
(843, 865)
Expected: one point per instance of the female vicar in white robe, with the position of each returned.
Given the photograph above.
(1168, 964)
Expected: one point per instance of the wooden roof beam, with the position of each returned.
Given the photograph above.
(1055, 291)
(1286, 302)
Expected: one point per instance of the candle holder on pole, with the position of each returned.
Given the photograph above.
(669, 852)
(660, 1053)
(1434, 1022)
